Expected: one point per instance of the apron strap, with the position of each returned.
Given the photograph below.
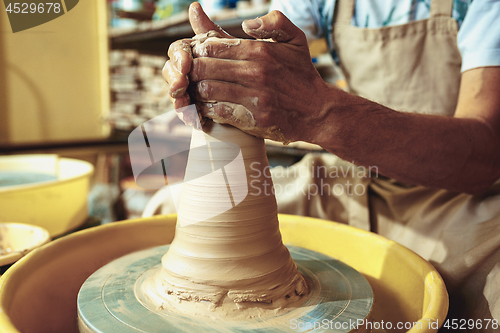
(345, 11)
(441, 8)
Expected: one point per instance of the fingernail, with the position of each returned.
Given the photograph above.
(253, 24)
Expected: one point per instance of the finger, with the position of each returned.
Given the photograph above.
(234, 71)
(228, 113)
(214, 46)
(201, 23)
(220, 111)
(166, 71)
(242, 118)
(180, 54)
(182, 44)
(277, 26)
(178, 82)
(208, 90)
(181, 101)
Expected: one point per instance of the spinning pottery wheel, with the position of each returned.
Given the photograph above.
(227, 265)
(406, 288)
(111, 301)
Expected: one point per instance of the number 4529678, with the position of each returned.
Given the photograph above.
(469, 324)
(32, 8)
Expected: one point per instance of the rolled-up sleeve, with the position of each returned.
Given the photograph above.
(479, 35)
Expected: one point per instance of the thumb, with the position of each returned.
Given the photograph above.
(277, 26)
(201, 23)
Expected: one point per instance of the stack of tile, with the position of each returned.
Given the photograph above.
(138, 90)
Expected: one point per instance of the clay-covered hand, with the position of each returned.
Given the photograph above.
(180, 60)
(266, 87)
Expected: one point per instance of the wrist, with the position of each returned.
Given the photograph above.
(330, 117)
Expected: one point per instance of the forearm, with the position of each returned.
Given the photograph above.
(459, 154)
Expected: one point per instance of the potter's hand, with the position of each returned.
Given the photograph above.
(267, 88)
(180, 60)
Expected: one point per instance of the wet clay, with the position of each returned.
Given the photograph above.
(200, 48)
(232, 264)
(241, 117)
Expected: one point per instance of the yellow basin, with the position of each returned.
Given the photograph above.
(17, 239)
(38, 294)
(57, 205)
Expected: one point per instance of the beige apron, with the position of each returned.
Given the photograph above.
(413, 67)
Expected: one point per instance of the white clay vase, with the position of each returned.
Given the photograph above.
(227, 245)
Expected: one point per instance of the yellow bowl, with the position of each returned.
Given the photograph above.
(38, 293)
(57, 205)
(17, 239)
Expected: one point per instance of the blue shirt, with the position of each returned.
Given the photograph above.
(479, 22)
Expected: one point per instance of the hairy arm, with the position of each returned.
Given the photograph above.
(460, 153)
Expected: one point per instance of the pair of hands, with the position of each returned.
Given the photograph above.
(277, 83)
(272, 77)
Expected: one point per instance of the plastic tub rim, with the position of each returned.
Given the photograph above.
(434, 311)
(89, 170)
(17, 255)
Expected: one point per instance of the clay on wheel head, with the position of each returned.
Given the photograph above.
(235, 259)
